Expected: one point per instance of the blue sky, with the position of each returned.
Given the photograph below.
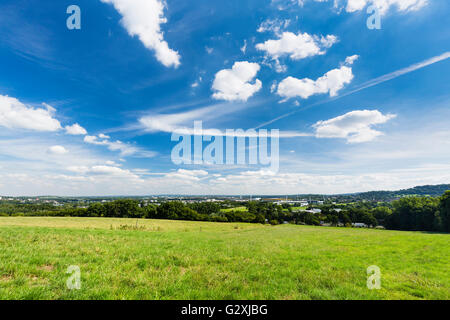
(91, 111)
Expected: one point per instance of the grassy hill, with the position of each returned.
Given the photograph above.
(433, 191)
(385, 196)
(158, 259)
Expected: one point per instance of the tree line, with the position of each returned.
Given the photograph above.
(409, 213)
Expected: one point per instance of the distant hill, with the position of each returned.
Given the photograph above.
(384, 196)
(429, 190)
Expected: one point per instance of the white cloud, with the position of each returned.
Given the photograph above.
(273, 87)
(114, 171)
(104, 136)
(234, 84)
(244, 47)
(262, 182)
(350, 60)
(32, 153)
(78, 169)
(197, 82)
(43, 172)
(92, 140)
(75, 129)
(378, 80)
(191, 175)
(124, 148)
(275, 26)
(385, 5)
(175, 121)
(355, 126)
(112, 163)
(110, 181)
(16, 115)
(402, 159)
(58, 150)
(183, 123)
(143, 18)
(112, 145)
(333, 81)
(104, 170)
(297, 46)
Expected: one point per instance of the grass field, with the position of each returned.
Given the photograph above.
(200, 260)
(235, 209)
(298, 208)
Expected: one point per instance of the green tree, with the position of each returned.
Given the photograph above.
(444, 212)
(149, 212)
(381, 213)
(96, 210)
(414, 213)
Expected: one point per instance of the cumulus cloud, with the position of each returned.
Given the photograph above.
(75, 129)
(16, 115)
(58, 150)
(355, 126)
(143, 18)
(333, 81)
(235, 84)
(297, 46)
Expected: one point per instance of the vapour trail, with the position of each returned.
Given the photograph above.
(369, 84)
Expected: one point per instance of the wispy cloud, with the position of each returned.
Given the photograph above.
(125, 149)
(399, 73)
(182, 123)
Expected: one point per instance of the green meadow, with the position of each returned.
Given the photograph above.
(299, 208)
(161, 259)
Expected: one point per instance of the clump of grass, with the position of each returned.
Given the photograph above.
(131, 227)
